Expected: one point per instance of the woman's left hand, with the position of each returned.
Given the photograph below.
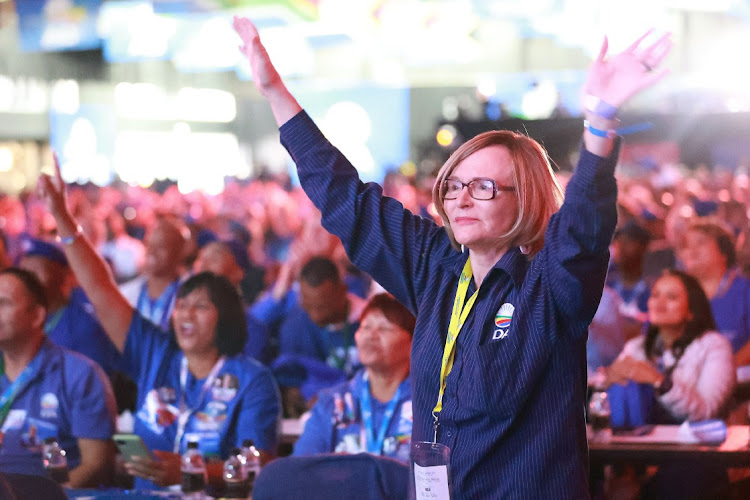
(163, 470)
(616, 79)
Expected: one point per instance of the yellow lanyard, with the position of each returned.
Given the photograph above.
(458, 317)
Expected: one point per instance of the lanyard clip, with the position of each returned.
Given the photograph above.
(434, 437)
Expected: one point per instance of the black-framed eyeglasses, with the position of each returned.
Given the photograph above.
(480, 188)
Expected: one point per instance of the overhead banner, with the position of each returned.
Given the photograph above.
(57, 25)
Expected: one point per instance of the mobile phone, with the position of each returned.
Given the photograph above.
(131, 445)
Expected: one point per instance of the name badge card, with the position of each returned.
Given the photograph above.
(430, 471)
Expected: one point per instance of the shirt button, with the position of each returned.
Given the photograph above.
(450, 433)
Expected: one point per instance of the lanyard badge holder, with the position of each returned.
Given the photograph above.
(430, 461)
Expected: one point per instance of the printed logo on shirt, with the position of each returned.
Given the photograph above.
(406, 411)
(406, 420)
(225, 387)
(49, 405)
(157, 412)
(350, 443)
(502, 321)
(212, 417)
(14, 420)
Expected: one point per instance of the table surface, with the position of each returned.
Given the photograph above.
(656, 448)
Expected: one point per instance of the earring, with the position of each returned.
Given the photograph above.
(463, 248)
(524, 249)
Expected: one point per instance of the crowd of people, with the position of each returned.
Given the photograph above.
(387, 317)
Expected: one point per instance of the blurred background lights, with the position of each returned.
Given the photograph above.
(348, 126)
(6, 159)
(446, 135)
(65, 97)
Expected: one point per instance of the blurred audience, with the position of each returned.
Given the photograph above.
(708, 253)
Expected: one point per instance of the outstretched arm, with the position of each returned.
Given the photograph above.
(267, 79)
(94, 275)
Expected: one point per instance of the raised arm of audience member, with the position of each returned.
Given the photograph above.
(93, 274)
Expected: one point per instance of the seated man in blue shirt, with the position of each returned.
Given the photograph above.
(316, 325)
(372, 412)
(49, 392)
(68, 323)
(153, 293)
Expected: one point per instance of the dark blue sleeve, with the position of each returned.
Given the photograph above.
(269, 311)
(99, 347)
(576, 247)
(92, 402)
(260, 412)
(317, 436)
(145, 343)
(397, 248)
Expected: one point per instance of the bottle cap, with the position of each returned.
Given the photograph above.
(192, 445)
(247, 443)
(50, 440)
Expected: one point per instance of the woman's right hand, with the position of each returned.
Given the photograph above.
(267, 79)
(163, 470)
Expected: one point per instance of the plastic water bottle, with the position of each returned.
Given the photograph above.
(252, 461)
(55, 461)
(236, 482)
(599, 416)
(194, 476)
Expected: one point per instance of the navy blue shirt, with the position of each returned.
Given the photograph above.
(513, 411)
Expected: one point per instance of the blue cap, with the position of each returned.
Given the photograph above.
(239, 252)
(36, 247)
(235, 247)
(204, 237)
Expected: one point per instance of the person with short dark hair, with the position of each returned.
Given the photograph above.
(626, 276)
(371, 412)
(317, 318)
(193, 384)
(153, 293)
(52, 391)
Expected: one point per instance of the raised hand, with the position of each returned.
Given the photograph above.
(616, 79)
(51, 190)
(265, 76)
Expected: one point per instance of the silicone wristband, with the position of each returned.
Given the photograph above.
(601, 108)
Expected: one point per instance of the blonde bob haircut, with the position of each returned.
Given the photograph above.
(539, 193)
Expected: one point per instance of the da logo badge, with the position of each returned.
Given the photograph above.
(502, 321)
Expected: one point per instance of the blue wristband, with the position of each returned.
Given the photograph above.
(597, 131)
(68, 240)
(631, 129)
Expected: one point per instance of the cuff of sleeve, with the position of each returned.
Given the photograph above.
(596, 170)
(299, 134)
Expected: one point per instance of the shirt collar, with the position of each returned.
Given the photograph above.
(514, 263)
